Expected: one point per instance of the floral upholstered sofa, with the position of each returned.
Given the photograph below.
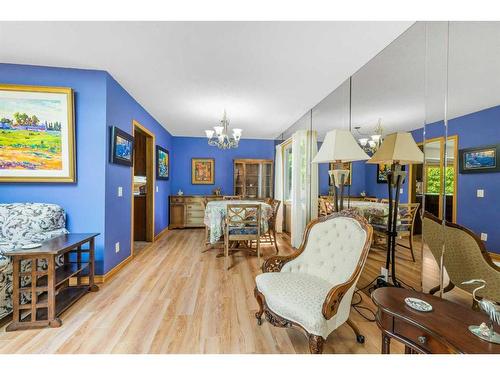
(21, 224)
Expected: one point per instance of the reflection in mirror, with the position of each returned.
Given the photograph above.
(388, 96)
(469, 191)
(296, 170)
(332, 113)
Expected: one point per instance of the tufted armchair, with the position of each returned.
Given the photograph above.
(312, 289)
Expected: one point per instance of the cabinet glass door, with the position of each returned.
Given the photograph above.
(266, 187)
(239, 179)
(252, 180)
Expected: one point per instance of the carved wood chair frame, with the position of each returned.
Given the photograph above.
(334, 296)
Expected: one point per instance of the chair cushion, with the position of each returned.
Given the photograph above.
(332, 250)
(242, 231)
(298, 297)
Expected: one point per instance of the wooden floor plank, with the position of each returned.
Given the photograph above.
(173, 297)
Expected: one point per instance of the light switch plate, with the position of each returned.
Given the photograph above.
(120, 191)
(157, 188)
(117, 247)
(401, 191)
(484, 236)
(480, 193)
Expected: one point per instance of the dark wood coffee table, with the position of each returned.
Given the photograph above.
(444, 330)
(54, 289)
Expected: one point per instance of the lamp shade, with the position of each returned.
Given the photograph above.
(398, 148)
(339, 145)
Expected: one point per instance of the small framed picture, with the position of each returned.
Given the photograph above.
(346, 166)
(162, 163)
(202, 171)
(479, 159)
(122, 147)
(382, 170)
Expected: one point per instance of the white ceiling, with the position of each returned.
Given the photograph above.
(266, 74)
(392, 86)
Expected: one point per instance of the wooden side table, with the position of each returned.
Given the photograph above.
(52, 290)
(444, 330)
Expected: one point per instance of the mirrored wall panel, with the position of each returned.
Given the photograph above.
(388, 96)
(471, 171)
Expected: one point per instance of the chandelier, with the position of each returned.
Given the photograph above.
(370, 143)
(219, 136)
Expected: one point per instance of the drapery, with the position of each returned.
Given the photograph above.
(304, 183)
(278, 186)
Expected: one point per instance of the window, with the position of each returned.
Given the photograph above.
(287, 172)
(433, 178)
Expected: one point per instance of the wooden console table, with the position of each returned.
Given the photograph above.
(52, 290)
(444, 330)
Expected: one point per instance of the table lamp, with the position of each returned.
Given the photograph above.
(339, 147)
(397, 149)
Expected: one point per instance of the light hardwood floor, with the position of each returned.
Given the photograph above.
(174, 298)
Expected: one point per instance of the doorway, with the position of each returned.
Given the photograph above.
(143, 188)
(428, 179)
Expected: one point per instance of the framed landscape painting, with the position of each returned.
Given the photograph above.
(162, 163)
(122, 147)
(37, 134)
(480, 159)
(202, 171)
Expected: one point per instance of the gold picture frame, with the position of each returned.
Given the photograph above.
(42, 136)
(202, 171)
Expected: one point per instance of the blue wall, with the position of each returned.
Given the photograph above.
(121, 110)
(358, 179)
(83, 200)
(481, 215)
(186, 148)
(92, 204)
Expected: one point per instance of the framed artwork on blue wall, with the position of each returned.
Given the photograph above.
(202, 171)
(382, 170)
(37, 134)
(121, 148)
(162, 163)
(479, 159)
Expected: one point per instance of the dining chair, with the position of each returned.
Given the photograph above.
(204, 202)
(231, 197)
(242, 223)
(271, 232)
(407, 213)
(325, 206)
(312, 288)
(370, 199)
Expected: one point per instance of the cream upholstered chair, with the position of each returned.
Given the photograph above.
(312, 289)
(465, 257)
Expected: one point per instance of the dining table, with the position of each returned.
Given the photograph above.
(375, 212)
(216, 211)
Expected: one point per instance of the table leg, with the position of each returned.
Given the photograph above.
(79, 264)
(16, 264)
(51, 293)
(92, 286)
(386, 344)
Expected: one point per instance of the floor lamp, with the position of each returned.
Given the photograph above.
(339, 147)
(397, 149)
